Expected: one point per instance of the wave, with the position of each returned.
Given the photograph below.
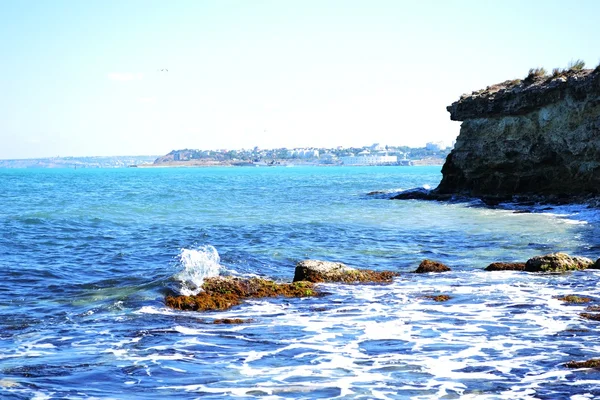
(198, 264)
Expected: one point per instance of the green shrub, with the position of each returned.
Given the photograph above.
(534, 74)
(556, 72)
(576, 65)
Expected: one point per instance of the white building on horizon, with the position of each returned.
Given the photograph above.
(370, 160)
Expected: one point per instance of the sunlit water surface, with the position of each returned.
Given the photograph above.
(87, 256)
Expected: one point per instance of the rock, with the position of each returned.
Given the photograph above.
(557, 262)
(317, 271)
(222, 293)
(596, 265)
(593, 308)
(540, 137)
(421, 194)
(573, 298)
(503, 266)
(590, 316)
(438, 298)
(431, 266)
(231, 321)
(593, 363)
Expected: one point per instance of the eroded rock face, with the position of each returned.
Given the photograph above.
(317, 271)
(540, 138)
(431, 266)
(557, 262)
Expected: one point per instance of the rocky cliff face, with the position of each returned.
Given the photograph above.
(538, 136)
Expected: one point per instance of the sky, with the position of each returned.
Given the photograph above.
(84, 78)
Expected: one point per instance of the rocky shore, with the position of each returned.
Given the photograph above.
(223, 292)
(536, 139)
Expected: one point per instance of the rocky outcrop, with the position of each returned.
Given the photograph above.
(224, 292)
(539, 136)
(557, 262)
(317, 271)
(431, 266)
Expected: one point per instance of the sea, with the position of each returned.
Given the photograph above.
(87, 257)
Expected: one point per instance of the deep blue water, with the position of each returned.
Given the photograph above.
(87, 256)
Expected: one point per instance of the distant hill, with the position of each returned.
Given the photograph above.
(79, 162)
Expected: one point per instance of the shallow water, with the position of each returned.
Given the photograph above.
(87, 256)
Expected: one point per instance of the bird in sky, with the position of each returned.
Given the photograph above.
(163, 70)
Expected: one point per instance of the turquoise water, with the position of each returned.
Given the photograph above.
(87, 256)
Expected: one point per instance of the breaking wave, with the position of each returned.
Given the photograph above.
(198, 264)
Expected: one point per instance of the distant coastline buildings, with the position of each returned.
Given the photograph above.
(370, 159)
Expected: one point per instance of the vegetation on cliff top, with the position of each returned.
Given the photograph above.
(537, 75)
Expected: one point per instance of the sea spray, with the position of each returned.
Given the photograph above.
(198, 264)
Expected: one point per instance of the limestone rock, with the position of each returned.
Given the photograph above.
(528, 138)
(557, 262)
(326, 271)
(431, 266)
(503, 266)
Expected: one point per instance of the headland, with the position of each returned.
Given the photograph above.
(536, 138)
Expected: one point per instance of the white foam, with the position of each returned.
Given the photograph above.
(198, 264)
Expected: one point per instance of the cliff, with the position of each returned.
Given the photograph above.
(539, 136)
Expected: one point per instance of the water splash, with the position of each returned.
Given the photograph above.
(197, 264)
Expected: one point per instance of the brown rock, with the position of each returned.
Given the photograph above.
(221, 293)
(438, 298)
(431, 266)
(230, 321)
(593, 363)
(590, 316)
(573, 298)
(317, 271)
(503, 266)
(557, 262)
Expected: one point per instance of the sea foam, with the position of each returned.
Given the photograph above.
(198, 264)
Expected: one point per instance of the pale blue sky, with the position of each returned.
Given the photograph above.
(81, 77)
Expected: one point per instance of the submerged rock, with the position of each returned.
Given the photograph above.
(593, 363)
(419, 194)
(431, 266)
(231, 321)
(504, 266)
(557, 262)
(221, 293)
(437, 298)
(317, 271)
